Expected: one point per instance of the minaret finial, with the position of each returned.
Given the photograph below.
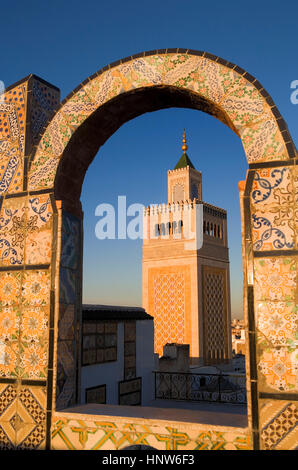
(184, 146)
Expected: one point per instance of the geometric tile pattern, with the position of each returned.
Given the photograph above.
(22, 416)
(169, 309)
(279, 425)
(69, 433)
(215, 327)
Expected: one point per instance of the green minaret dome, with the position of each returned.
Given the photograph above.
(184, 159)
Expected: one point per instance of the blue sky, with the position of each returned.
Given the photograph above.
(66, 41)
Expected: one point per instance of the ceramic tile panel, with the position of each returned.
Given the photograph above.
(34, 323)
(13, 227)
(275, 279)
(66, 322)
(10, 287)
(26, 231)
(39, 239)
(11, 167)
(67, 291)
(70, 241)
(39, 247)
(273, 186)
(44, 98)
(245, 107)
(33, 362)
(277, 322)
(12, 138)
(91, 434)
(43, 171)
(278, 422)
(10, 320)
(273, 228)
(36, 288)
(78, 108)
(66, 373)
(277, 368)
(263, 142)
(9, 358)
(29, 420)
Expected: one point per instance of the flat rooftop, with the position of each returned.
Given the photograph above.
(214, 414)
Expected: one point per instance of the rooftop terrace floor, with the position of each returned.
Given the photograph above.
(215, 414)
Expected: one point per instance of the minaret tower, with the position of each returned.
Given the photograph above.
(187, 290)
(184, 182)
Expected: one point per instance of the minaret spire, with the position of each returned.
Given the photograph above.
(184, 159)
(184, 146)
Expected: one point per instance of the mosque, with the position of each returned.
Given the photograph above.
(186, 284)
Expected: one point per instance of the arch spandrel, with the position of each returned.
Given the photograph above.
(234, 99)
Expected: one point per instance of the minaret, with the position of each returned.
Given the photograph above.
(184, 182)
(187, 290)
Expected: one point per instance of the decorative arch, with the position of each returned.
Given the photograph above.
(45, 156)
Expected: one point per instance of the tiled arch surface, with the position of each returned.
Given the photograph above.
(245, 103)
(40, 242)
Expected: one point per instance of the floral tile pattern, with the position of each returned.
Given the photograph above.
(44, 98)
(275, 279)
(273, 228)
(13, 226)
(273, 186)
(274, 218)
(39, 241)
(12, 138)
(277, 322)
(25, 231)
(9, 358)
(10, 287)
(278, 368)
(36, 288)
(33, 359)
(10, 319)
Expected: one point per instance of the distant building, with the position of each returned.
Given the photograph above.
(238, 340)
(185, 289)
(117, 355)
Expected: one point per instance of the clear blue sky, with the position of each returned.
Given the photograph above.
(66, 41)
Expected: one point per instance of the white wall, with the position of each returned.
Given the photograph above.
(109, 373)
(145, 358)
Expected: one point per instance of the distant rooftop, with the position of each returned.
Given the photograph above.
(114, 312)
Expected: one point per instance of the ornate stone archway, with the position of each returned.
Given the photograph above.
(45, 150)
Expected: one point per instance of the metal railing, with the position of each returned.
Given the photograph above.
(188, 386)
